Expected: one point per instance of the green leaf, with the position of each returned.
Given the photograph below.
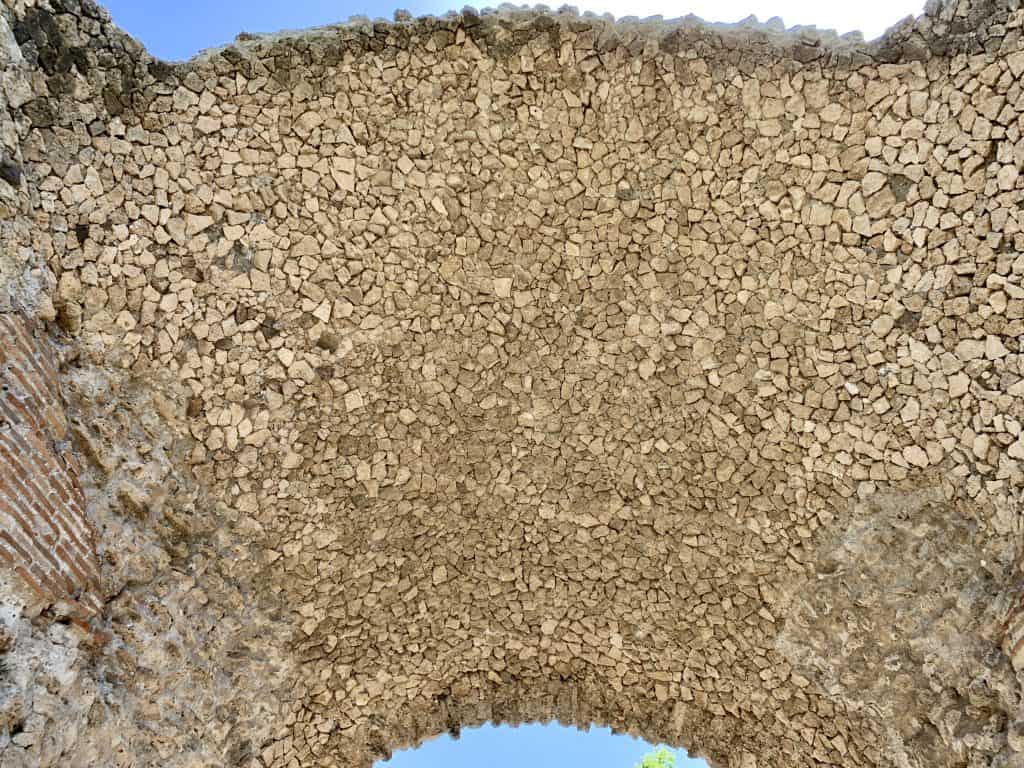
(658, 758)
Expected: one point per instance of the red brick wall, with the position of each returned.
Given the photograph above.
(1013, 639)
(44, 534)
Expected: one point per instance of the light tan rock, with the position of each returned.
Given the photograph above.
(524, 365)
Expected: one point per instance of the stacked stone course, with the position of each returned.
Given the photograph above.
(516, 366)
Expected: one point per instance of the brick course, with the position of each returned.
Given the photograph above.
(45, 536)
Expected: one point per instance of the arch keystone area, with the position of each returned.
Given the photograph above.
(375, 381)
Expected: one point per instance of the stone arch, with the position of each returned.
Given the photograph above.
(563, 701)
(527, 365)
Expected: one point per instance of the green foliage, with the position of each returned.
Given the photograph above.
(658, 758)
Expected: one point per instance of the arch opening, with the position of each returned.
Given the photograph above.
(539, 745)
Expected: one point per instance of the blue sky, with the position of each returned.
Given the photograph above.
(178, 29)
(533, 746)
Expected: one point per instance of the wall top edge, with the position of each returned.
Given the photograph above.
(945, 28)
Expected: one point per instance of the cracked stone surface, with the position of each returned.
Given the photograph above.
(524, 365)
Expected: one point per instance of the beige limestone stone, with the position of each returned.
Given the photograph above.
(526, 365)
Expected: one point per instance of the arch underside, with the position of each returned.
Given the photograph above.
(526, 366)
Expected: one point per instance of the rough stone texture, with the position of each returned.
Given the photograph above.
(665, 376)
